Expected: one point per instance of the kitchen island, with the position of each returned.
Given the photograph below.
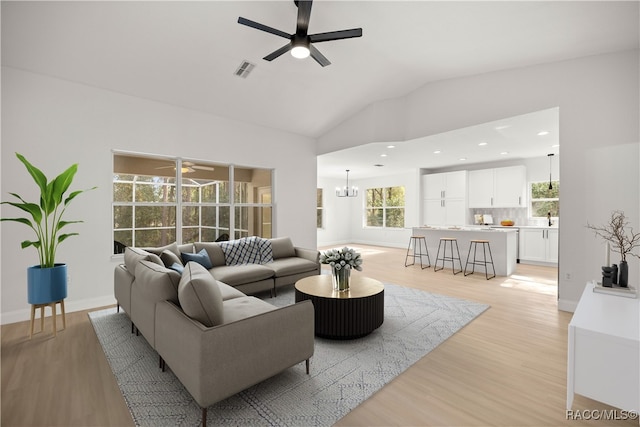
(503, 244)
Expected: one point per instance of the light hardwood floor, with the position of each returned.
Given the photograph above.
(506, 368)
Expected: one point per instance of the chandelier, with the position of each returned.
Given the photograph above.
(347, 191)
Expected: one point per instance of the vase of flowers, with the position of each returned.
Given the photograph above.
(342, 261)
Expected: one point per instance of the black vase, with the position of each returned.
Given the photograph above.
(623, 276)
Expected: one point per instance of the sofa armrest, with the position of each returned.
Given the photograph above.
(310, 254)
(218, 362)
(122, 281)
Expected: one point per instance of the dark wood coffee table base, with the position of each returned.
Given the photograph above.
(344, 315)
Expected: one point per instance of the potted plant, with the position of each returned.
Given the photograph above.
(46, 282)
(624, 242)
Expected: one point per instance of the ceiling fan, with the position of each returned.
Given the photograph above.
(189, 167)
(300, 43)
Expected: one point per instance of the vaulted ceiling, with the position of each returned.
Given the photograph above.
(186, 53)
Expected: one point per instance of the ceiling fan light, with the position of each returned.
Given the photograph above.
(300, 52)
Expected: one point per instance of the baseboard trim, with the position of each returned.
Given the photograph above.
(69, 306)
(570, 306)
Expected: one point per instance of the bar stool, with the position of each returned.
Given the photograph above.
(52, 304)
(418, 242)
(485, 244)
(452, 258)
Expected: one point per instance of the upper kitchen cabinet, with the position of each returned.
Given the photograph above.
(447, 185)
(498, 188)
(444, 198)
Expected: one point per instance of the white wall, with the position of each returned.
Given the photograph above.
(345, 215)
(598, 98)
(55, 123)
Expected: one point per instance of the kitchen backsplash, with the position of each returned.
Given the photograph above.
(518, 215)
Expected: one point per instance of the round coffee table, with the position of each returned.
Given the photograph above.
(343, 315)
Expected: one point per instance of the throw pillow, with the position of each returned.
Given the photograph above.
(266, 250)
(169, 258)
(201, 258)
(177, 267)
(133, 255)
(200, 296)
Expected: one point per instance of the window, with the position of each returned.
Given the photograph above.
(544, 200)
(385, 207)
(148, 194)
(319, 208)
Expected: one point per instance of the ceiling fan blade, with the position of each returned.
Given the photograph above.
(262, 27)
(273, 55)
(335, 35)
(203, 168)
(304, 13)
(320, 58)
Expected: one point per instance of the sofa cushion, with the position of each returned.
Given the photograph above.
(157, 281)
(200, 296)
(229, 292)
(289, 266)
(201, 258)
(216, 255)
(169, 258)
(241, 251)
(172, 247)
(282, 248)
(241, 308)
(241, 274)
(133, 255)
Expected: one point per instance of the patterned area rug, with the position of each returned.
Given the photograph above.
(343, 373)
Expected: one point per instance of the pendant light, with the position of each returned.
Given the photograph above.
(347, 191)
(550, 155)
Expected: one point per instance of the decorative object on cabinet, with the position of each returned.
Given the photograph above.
(624, 242)
(347, 191)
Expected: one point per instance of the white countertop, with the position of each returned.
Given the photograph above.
(483, 228)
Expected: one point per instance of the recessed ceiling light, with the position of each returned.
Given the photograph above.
(383, 155)
(483, 143)
(555, 146)
(462, 159)
(501, 127)
(437, 152)
(504, 153)
(391, 146)
(543, 133)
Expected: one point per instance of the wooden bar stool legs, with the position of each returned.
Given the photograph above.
(418, 243)
(452, 258)
(484, 262)
(54, 316)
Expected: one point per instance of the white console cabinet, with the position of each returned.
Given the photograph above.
(603, 355)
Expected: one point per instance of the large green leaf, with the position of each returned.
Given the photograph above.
(62, 182)
(31, 208)
(38, 176)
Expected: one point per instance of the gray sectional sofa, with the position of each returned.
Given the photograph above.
(207, 329)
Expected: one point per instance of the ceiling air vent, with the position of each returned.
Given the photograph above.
(244, 69)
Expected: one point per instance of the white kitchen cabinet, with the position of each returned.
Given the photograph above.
(510, 187)
(539, 245)
(447, 185)
(444, 198)
(498, 188)
(481, 188)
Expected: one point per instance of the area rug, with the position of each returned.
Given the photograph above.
(343, 373)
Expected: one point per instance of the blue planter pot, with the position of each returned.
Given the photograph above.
(45, 285)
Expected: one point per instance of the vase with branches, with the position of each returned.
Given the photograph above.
(620, 235)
